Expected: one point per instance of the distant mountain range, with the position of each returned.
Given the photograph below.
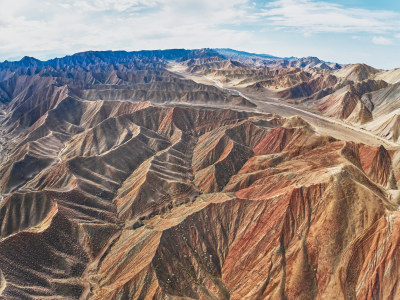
(122, 57)
(198, 174)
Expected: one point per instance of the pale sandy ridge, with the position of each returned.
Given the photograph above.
(323, 125)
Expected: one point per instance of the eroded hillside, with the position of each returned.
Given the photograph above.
(123, 180)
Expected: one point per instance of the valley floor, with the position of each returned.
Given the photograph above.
(324, 125)
(127, 180)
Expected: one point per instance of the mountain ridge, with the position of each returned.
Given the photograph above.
(121, 55)
(186, 174)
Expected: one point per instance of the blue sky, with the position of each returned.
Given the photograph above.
(351, 31)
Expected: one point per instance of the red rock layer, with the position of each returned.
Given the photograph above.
(138, 201)
(107, 197)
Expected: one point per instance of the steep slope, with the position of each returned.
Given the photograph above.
(346, 103)
(357, 72)
(310, 63)
(385, 110)
(315, 87)
(384, 101)
(220, 167)
(122, 180)
(391, 76)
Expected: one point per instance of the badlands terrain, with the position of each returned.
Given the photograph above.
(198, 174)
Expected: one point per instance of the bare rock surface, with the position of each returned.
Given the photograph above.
(121, 179)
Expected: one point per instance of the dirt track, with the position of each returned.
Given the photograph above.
(322, 124)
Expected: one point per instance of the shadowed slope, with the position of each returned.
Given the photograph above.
(243, 173)
(106, 196)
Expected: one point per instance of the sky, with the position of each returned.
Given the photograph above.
(343, 31)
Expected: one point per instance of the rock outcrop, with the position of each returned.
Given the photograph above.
(122, 180)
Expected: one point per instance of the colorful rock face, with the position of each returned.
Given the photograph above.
(126, 181)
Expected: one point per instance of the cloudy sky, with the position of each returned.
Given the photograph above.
(344, 31)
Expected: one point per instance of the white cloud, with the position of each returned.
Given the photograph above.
(110, 5)
(44, 28)
(320, 16)
(47, 27)
(380, 40)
